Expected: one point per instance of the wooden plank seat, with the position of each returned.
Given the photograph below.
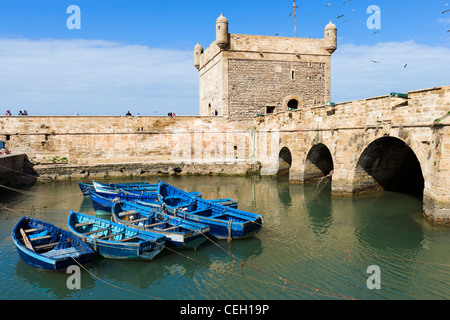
(49, 245)
(95, 231)
(33, 230)
(111, 235)
(41, 238)
(154, 224)
(83, 224)
(128, 239)
(127, 213)
(139, 220)
(171, 228)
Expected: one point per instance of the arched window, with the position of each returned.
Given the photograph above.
(293, 104)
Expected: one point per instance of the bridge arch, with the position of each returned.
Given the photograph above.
(284, 161)
(389, 164)
(318, 163)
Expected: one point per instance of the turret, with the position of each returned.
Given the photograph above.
(222, 32)
(198, 50)
(331, 37)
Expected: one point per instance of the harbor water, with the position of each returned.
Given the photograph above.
(312, 247)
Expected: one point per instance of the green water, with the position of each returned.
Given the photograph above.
(312, 246)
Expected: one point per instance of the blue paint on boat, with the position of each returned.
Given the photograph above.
(114, 241)
(224, 222)
(179, 233)
(50, 248)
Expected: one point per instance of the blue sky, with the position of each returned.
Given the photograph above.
(137, 54)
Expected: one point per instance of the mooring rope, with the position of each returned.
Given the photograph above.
(30, 193)
(112, 285)
(276, 276)
(321, 293)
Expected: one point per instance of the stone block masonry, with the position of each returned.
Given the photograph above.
(365, 142)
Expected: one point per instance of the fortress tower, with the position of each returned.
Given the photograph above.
(245, 75)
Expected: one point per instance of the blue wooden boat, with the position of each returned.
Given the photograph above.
(102, 202)
(142, 188)
(85, 188)
(116, 187)
(44, 246)
(115, 241)
(179, 233)
(224, 222)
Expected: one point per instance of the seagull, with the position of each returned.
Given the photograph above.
(340, 16)
(405, 66)
(346, 1)
(328, 4)
(448, 10)
(376, 32)
(374, 61)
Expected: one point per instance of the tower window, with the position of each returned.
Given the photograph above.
(270, 110)
(293, 104)
(293, 75)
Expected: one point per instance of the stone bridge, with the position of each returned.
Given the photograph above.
(381, 143)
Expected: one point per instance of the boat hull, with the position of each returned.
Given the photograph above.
(139, 246)
(67, 249)
(187, 235)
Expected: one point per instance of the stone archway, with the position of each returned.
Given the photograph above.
(285, 162)
(389, 164)
(319, 163)
(292, 103)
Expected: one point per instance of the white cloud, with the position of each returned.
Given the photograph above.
(354, 76)
(92, 77)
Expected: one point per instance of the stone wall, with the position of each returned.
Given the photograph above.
(421, 123)
(185, 143)
(214, 145)
(255, 85)
(256, 72)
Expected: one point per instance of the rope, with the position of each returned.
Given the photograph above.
(278, 277)
(255, 279)
(37, 194)
(112, 285)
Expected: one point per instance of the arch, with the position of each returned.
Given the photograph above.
(292, 102)
(319, 163)
(285, 162)
(389, 164)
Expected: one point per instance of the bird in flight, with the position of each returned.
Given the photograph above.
(374, 61)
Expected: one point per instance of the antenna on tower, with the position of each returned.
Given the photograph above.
(295, 18)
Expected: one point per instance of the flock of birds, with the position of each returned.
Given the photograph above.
(354, 10)
(377, 31)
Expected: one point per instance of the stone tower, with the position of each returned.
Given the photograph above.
(241, 76)
(331, 37)
(222, 32)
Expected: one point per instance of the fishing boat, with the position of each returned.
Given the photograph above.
(85, 188)
(142, 188)
(115, 241)
(44, 246)
(224, 222)
(113, 187)
(179, 233)
(102, 202)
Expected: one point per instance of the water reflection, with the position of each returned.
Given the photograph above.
(305, 238)
(318, 204)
